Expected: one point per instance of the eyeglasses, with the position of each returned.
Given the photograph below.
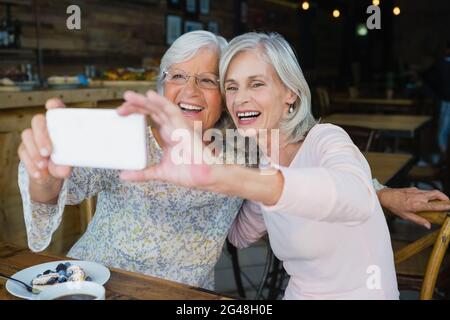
(203, 80)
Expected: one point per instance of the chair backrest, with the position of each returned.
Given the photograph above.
(323, 101)
(364, 138)
(439, 239)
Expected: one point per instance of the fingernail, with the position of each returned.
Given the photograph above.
(37, 175)
(44, 152)
(427, 225)
(41, 164)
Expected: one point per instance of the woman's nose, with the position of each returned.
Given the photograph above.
(191, 86)
(241, 97)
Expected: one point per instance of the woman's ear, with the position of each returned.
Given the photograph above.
(291, 97)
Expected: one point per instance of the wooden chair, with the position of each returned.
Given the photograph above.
(364, 138)
(418, 265)
(432, 173)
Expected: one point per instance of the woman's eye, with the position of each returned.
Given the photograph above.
(209, 81)
(177, 76)
(257, 84)
(231, 88)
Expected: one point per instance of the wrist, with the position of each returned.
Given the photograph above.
(47, 193)
(385, 197)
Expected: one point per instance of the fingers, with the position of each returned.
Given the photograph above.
(29, 164)
(436, 195)
(41, 136)
(418, 220)
(54, 103)
(158, 100)
(163, 104)
(135, 98)
(29, 144)
(140, 101)
(151, 173)
(137, 103)
(57, 171)
(158, 107)
(434, 206)
(128, 108)
(36, 148)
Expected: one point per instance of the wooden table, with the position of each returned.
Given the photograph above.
(379, 105)
(403, 124)
(375, 101)
(122, 285)
(387, 166)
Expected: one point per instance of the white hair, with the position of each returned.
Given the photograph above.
(185, 47)
(277, 52)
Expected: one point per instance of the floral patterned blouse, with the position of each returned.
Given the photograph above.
(153, 228)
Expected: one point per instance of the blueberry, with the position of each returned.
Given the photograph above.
(62, 279)
(67, 264)
(61, 267)
(52, 280)
(62, 272)
(47, 271)
(88, 278)
(39, 275)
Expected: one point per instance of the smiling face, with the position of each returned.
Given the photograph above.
(255, 96)
(197, 104)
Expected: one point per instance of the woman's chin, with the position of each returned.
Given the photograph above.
(248, 132)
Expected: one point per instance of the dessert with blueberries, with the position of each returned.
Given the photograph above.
(65, 272)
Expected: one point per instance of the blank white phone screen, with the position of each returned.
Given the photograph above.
(97, 138)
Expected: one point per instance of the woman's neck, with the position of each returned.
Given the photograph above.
(286, 151)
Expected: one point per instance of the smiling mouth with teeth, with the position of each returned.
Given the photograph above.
(190, 108)
(249, 115)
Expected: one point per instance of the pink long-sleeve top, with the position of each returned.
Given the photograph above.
(328, 227)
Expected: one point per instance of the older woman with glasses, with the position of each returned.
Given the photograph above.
(154, 228)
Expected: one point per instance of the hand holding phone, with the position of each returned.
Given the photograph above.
(35, 149)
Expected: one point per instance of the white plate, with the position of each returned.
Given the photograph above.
(98, 273)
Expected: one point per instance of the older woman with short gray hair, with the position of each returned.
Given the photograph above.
(153, 228)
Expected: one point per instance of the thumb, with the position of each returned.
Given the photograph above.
(54, 103)
(59, 172)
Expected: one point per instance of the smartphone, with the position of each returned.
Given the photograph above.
(97, 138)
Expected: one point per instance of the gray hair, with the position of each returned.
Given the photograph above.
(277, 51)
(185, 47)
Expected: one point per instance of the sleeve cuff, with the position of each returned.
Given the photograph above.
(377, 186)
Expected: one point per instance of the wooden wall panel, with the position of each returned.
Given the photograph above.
(113, 33)
(12, 225)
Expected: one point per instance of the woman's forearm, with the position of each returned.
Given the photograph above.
(253, 184)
